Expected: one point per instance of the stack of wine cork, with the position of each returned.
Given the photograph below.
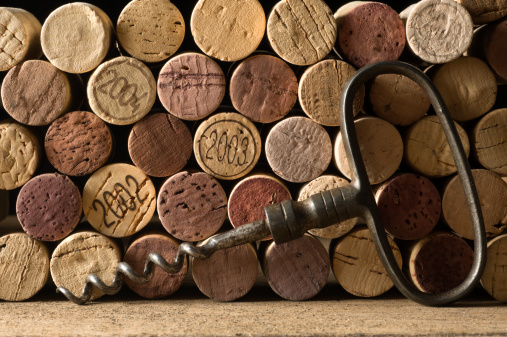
(126, 130)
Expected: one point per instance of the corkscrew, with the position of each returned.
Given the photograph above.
(289, 220)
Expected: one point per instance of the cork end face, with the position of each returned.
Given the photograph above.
(14, 37)
(493, 279)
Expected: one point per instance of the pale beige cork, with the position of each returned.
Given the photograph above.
(492, 191)
(24, 266)
(81, 254)
(119, 200)
(20, 154)
(485, 11)
(427, 150)
(438, 31)
(494, 277)
(320, 89)
(227, 145)
(357, 266)
(319, 185)
(19, 37)
(228, 30)
(489, 141)
(302, 32)
(468, 87)
(121, 91)
(397, 99)
(381, 148)
(76, 37)
(150, 30)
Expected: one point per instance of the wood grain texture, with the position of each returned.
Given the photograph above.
(494, 279)
(150, 31)
(301, 32)
(485, 11)
(320, 89)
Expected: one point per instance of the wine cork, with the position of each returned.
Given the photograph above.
(319, 185)
(150, 31)
(20, 155)
(427, 151)
(369, 32)
(160, 144)
(409, 206)
(24, 267)
(121, 91)
(162, 284)
(494, 279)
(492, 191)
(358, 268)
(381, 148)
(228, 30)
(119, 200)
(192, 206)
(296, 270)
(320, 89)
(467, 86)
(484, 11)
(298, 149)
(191, 86)
(439, 262)
(263, 88)
(19, 37)
(78, 143)
(36, 93)
(4, 204)
(228, 274)
(489, 141)
(227, 145)
(397, 99)
(431, 36)
(81, 254)
(301, 33)
(49, 207)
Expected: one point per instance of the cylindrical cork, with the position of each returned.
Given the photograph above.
(296, 270)
(119, 200)
(81, 254)
(263, 88)
(160, 144)
(488, 141)
(4, 204)
(409, 206)
(121, 91)
(484, 11)
(430, 35)
(20, 155)
(356, 264)
(492, 191)
(438, 262)
(228, 274)
(227, 145)
(300, 32)
(24, 266)
(192, 206)
(49, 207)
(19, 36)
(78, 143)
(162, 284)
(228, 30)
(319, 185)
(427, 150)
(76, 37)
(381, 148)
(298, 149)
(468, 87)
(320, 89)
(397, 99)
(150, 31)
(36, 93)
(191, 86)
(369, 32)
(494, 278)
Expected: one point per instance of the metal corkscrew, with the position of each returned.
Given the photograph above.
(289, 220)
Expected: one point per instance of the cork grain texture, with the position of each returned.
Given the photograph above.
(485, 11)
(494, 278)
